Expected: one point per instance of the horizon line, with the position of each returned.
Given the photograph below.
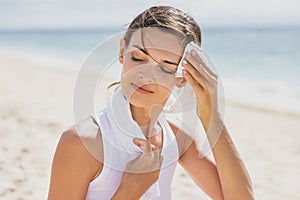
(123, 28)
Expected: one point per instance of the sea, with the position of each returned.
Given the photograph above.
(259, 66)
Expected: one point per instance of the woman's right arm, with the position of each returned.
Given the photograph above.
(73, 168)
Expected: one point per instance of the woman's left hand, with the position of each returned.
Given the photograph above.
(205, 85)
(204, 82)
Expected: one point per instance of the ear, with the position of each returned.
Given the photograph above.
(122, 47)
(180, 82)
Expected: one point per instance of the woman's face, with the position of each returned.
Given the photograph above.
(149, 63)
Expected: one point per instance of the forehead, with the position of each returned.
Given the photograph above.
(154, 39)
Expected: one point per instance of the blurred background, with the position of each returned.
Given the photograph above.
(254, 44)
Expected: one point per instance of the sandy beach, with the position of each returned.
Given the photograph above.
(36, 107)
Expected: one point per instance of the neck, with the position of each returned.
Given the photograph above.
(145, 117)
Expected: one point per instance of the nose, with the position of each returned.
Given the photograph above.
(141, 76)
(146, 76)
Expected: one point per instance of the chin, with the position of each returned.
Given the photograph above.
(139, 101)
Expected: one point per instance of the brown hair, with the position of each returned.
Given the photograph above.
(166, 18)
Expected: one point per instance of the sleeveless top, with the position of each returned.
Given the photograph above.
(118, 130)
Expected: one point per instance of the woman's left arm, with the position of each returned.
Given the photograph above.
(235, 182)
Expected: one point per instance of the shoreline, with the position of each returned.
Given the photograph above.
(73, 67)
(262, 109)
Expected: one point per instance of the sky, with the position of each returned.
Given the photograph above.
(64, 14)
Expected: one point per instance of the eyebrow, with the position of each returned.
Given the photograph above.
(145, 52)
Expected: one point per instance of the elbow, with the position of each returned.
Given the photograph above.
(249, 191)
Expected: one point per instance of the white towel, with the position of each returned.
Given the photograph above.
(181, 100)
(125, 129)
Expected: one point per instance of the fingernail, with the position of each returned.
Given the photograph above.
(193, 52)
(135, 140)
(184, 61)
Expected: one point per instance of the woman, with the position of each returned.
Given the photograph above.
(101, 168)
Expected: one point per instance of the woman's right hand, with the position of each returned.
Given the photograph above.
(141, 173)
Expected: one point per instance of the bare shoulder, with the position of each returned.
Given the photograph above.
(72, 144)
(84, 139)
(88, 133)
(75, 162)
(80, 147)
(70, 139)
(81, 144)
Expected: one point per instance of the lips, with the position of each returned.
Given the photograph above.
(141, 89)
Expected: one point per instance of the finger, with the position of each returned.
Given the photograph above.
(204, 64)
(195, 85)
(144, 144)
(147, 146)
(154, 148)
(197, 70)
(191, 72)
(197, 67)
(156, 160)
(139, 142)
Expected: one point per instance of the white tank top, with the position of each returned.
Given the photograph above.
(116, 147)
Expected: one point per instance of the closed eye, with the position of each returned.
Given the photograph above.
(136, 59)
(166, 70)
(171, 63)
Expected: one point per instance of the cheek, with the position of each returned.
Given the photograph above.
(166, 85)
(127, 76)
(164, 93)
(128, 65)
